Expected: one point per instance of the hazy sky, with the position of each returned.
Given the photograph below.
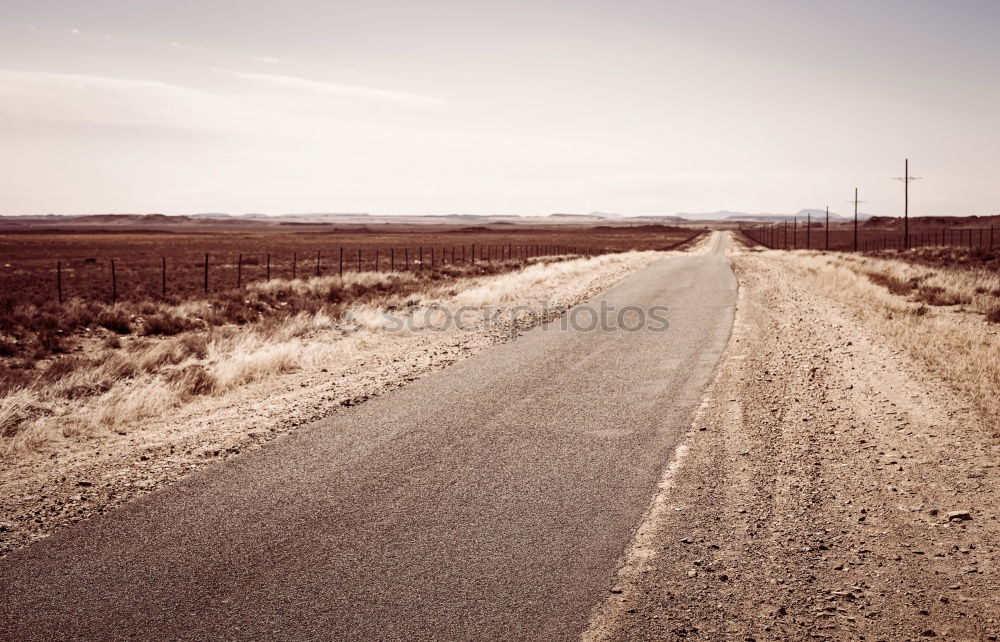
(637, 107)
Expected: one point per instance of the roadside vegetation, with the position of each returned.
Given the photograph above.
(944, 314)
(96, 367)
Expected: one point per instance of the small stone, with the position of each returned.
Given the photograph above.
(959, 515)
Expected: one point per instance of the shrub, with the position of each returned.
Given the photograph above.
(192, 380)
(60, 368)
(115, 319)
(935, 295)
(8, 348)
(51, 341)
(894, 285)
(993, 314)
(164, 324)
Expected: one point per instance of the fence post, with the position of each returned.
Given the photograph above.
(359, 259)
(206, 273)
(432, 256)
(420, 249)
(59, 280)
(163, 273)
(114, 283)
(317, 262)
(406, 257)
(295, 261)
(268, 266)
(991, 238)
(340, 269)
(239, 271)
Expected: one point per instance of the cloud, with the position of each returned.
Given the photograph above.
(83, 98)
(333, 89)
(38, 97)
(266, 59)
(75, 31)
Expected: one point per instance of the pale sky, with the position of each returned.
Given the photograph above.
(636, 107)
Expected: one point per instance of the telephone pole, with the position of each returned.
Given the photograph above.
(855, 201)
(827, 228)
(907, 179)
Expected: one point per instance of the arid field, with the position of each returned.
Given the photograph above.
(837, 478)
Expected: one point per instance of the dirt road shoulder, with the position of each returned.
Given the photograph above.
(828, 489)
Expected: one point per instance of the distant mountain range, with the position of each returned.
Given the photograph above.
(725, 215)
(223, 219)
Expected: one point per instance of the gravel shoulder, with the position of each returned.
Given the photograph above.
(830, 488)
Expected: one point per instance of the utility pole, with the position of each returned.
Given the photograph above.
(907, 179)
(855, 201)
(827, 228)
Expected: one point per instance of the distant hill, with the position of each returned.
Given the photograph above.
(933, 222)
(726, 215)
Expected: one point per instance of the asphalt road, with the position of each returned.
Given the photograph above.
(490, 500)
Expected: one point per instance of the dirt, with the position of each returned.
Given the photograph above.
(829, 489)
(74, 478)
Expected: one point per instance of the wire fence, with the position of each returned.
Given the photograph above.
(793, 236)
(190, 273)
(137, 274)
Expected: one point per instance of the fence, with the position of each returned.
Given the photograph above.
(174, 270)
(785, 236)
(186, 274)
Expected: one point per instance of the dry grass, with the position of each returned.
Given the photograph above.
(118, 381)
(941, 316)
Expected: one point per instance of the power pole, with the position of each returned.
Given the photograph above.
(907, 179)
(827, 228)
(855, 201)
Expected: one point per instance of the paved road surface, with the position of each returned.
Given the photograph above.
(490, 500)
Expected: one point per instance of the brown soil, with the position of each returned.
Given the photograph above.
(829, 489)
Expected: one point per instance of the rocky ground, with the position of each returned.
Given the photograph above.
(75, 478)
(829, 489)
